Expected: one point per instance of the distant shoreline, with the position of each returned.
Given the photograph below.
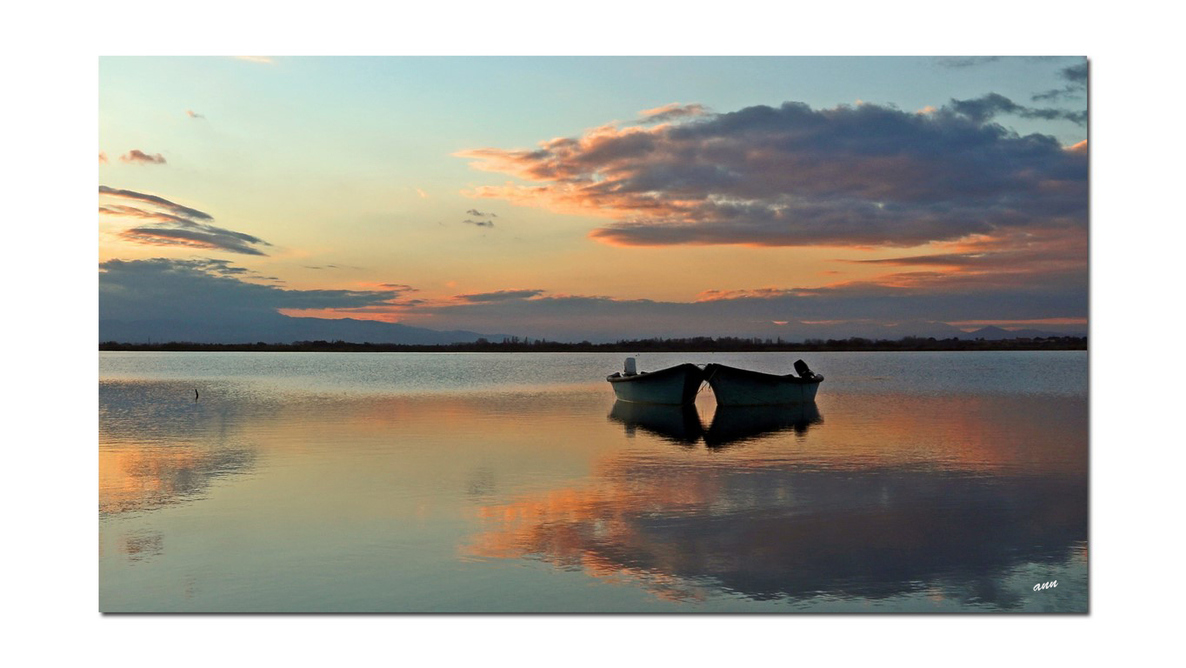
(695, 345)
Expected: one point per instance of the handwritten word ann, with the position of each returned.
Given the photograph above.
(1046, 585)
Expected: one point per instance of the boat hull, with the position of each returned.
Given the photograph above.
(741, 387)
(673, 386)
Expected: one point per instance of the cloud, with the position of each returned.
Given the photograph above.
(479, 223)
(102, 158)
(672, 112)
(193, 114)
(984, 108)
(171, 224)
(961, 62)
(263, 60)
(499, 296)
(178, 209)
(421, 193)
(867, 175)
(213, 289)
(1076, 76)
(195, 235)
(854, 309)
(331, 266)
(479, 214)
(136, 156)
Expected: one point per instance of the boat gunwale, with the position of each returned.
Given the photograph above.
(711, 369)
(619, 377)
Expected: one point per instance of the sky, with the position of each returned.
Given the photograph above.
(604, 197)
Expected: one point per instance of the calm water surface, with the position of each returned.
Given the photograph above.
(918, 482)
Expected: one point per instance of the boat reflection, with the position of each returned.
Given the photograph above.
(678, 424)
(732, 425)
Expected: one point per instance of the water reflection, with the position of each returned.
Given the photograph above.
(935, 505)
(261, 498)
(159, 447)
(731, 425)
(739, 424)
(800, 534)
(678, 424)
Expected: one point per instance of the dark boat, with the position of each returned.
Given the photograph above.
(675, 385)
(742, 387)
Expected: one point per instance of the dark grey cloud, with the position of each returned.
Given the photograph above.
(499, 296)
(159, 201)
(1076, 76)
(797, 176)
(479, 223)
(866, 309)
(136, 156)
(479, 214)
(985, 108)
(195, 235)
(215, 290)
(171, 224)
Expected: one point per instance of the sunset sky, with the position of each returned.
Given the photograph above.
(597, 197)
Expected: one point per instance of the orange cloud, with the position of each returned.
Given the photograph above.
(793, 176)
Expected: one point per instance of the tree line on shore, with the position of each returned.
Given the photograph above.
(515, 344)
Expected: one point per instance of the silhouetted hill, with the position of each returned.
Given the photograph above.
(992, 333)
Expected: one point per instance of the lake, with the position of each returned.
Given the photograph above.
(484, 482)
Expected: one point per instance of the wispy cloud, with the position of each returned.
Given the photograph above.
(499, 296)
(671, 112)
(987, 107)
(264, 60)
(1076, 78)
(138, 157)
(332, 266)
(195, 235)
(171, 224)
(172, 207)
(193, 114)
(961, 62)
(480, 219)
(867, 175)
(102, 158)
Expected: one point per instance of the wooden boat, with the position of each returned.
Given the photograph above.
(742, 387)
(675, 385)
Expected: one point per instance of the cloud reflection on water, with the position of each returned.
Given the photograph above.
(772, 525)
